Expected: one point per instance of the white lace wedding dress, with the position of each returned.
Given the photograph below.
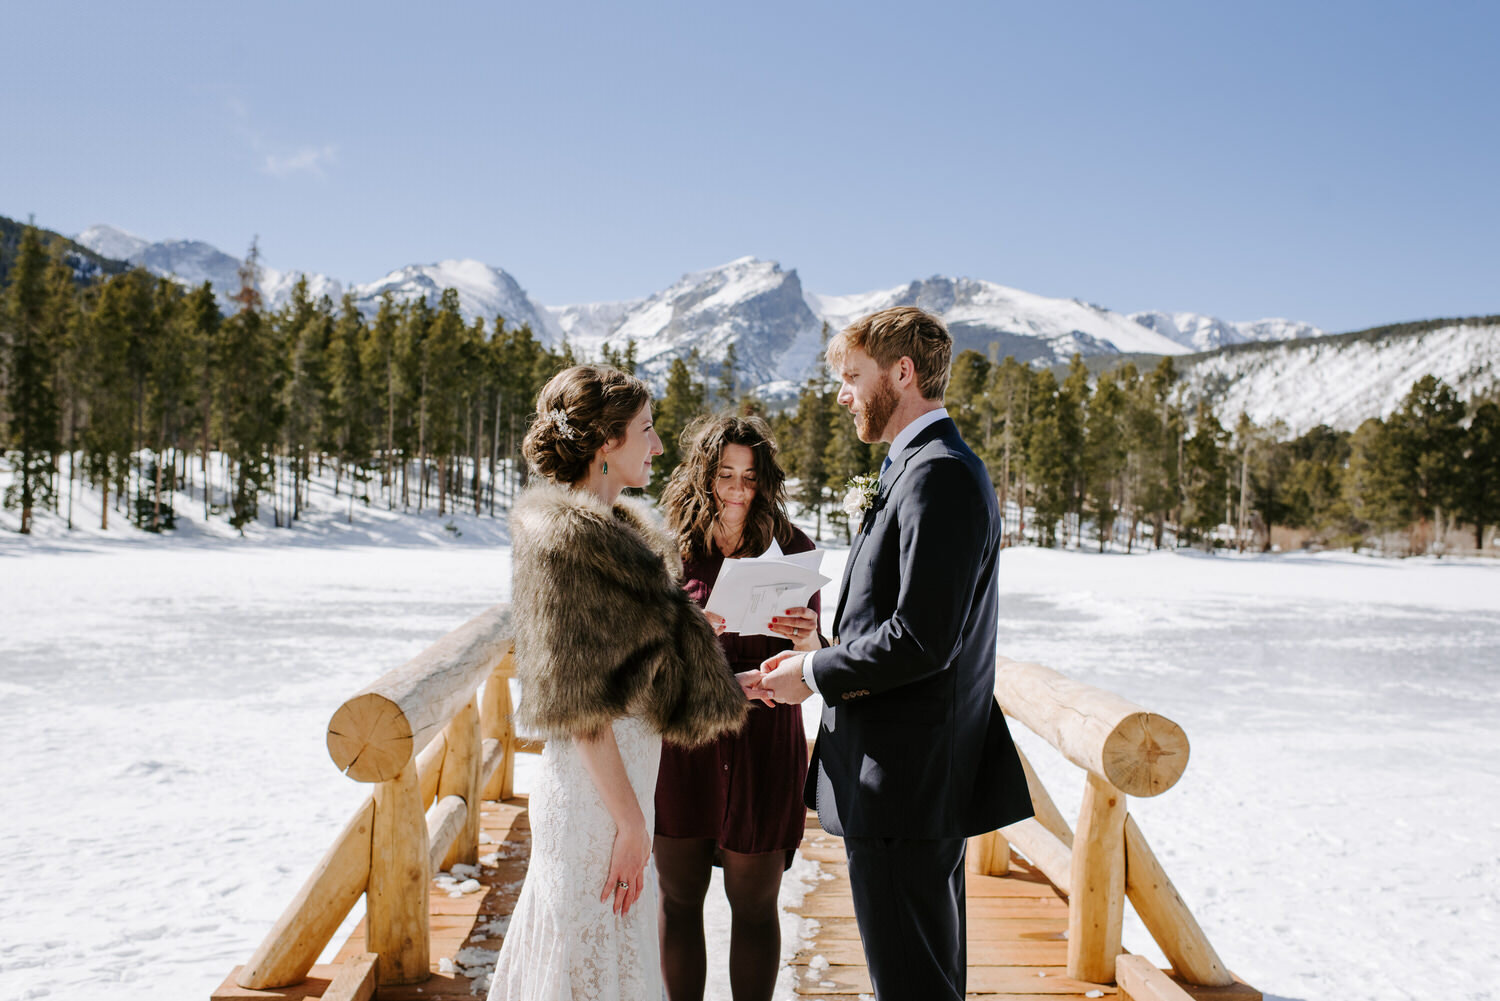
(564, 944)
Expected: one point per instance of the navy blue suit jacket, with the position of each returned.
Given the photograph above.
(912, 742)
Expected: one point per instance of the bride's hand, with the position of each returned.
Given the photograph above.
(627, 865)
(717, 621)
(750, 685)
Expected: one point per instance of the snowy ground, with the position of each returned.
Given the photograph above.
(164, 705)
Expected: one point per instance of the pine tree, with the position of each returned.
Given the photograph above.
(1375, 489)
(682, 401)
(1049, 467)
(351, 404)
(1072, 408)
(1205, 483)
(444, 348)
(965, 398)
(844, 457)
(1103, 463)
(1480, 501)
(1008, 397)
(250, 397)
(171, 400)
(65, 331)
(1426, 433)
(202, 320)
(378, 359)
(31, 398)
(806, 457)
(728, 377)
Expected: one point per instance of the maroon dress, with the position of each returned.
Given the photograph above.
(744, 790)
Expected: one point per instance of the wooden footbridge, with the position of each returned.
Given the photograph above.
(439, 852)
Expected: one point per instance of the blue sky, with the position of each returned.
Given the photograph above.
(1328, 162)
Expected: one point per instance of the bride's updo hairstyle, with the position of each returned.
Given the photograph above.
(579, 410)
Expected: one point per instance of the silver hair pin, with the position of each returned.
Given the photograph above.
(559, 420)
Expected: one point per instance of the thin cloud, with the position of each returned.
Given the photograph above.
(309, 160)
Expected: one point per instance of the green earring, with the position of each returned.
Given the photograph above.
(606, 467)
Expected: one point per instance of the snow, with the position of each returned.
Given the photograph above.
(1205, 333)
(1342, 381)
(111, 242)
(166, 699)
(1066, 324)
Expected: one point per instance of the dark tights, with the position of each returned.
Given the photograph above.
(751, 882)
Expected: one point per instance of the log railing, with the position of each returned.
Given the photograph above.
(433, 733)
(1124, 751)
(435, 737)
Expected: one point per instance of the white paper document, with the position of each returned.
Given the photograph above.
(750, 591)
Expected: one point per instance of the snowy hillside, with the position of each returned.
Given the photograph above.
(1342, 380)
(483, 291)
(1033, 328)
(1205, 333)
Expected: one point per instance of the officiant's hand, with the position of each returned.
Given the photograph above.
(781, 675)
(800, 625)
(717, 621)
(750, 685)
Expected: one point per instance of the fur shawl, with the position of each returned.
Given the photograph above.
(603, 628)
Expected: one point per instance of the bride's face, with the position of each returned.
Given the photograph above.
(629, 456)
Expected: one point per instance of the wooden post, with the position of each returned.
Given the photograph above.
(1096, 904)
(461, 778)
(1167, 917)
(496, 724)
(989, 854)
(292, 946)
(396, 902)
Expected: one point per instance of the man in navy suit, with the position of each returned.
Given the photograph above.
(913, 755)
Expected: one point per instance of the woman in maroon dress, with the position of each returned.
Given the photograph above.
(736, 802)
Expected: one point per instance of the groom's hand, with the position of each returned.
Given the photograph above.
(781, 675)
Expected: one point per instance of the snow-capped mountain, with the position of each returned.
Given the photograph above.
(1267, 368)
(1344, 379)
(194, 262)
(1205, 333)
(483, 291)
(750, 303)
(1033, 328)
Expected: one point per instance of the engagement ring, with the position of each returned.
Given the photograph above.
(623, 885)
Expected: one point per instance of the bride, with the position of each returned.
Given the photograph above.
(612, 656)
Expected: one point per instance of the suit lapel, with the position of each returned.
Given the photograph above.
(887, 486)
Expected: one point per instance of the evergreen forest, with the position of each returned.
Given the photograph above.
(138, 389)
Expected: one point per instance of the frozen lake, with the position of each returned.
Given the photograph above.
(165, 703)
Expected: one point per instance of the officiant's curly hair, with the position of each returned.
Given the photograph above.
(900, 331)
(690, 504)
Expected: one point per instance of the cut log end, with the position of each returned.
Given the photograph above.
(370, 739)
(1145, 754)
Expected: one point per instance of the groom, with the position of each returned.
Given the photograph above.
(913, 755)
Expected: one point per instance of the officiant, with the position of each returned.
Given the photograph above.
(735, 802)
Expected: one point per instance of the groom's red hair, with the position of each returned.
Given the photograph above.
(896, 333)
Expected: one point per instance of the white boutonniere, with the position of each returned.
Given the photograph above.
(861, 494)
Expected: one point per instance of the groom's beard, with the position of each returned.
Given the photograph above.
(870, 422)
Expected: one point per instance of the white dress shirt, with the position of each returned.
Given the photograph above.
(903, 439)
